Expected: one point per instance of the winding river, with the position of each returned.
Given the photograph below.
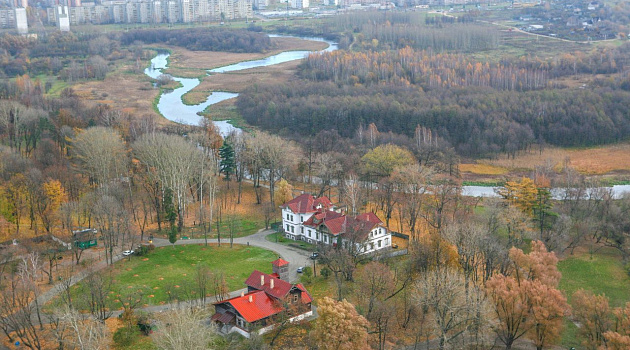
(171, 106)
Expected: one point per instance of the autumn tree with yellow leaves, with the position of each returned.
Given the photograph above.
(339, 326)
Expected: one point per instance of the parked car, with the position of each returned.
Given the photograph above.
(128, 252)
(300, 269)
(315, 255)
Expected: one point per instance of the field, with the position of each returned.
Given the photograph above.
(173, 270)
(183, 58)
(126, 88)
(596, 161)
(601, 273)
(239, 80)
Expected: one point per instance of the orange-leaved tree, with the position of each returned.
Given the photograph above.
(619, 337)
(593, 314)
(528, 301)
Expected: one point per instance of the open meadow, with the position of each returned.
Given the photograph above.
(169, 273)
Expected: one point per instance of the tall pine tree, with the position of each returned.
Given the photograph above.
(228, 165)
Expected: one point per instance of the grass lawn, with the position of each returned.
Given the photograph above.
(603, 273)
(279, 238)
(175, 268)
(244, 227)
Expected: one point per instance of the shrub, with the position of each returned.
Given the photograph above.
(125, 336)
(325, 272)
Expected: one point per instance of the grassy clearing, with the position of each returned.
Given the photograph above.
(601, 273)
(174, 269)
(589, 161)
(482, 169)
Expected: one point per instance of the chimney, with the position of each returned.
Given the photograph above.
(262, 280)
(271, 283)
(251, 298)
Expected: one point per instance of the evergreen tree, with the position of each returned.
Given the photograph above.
(228, 165)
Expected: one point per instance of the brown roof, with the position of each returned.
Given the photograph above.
(226, 317)
(370, 217)
(338, 224)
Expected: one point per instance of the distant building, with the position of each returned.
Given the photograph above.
(63, 18)
(268, 298)
(21, 3)
(21, 23)
(300, 4)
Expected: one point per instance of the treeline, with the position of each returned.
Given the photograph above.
(51, 53)
(424, 68)
(476, 121)
(458, 37)
(202, 39)
(393, 30)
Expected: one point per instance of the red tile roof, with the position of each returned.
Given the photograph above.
(323, 215)
(370, 217)
(260, 307)
(305, 203)
(323, 201)
(337, 225)
(301, 204)
(306, 296)
(279, 262)
(280, 287)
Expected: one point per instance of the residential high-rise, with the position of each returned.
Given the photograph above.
(21, 24)
(63, 18)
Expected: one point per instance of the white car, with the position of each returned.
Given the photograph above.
(128, 252)
(300, 269)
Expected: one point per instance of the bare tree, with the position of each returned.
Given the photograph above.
(173, 162)
(112, 222)
(95, 299)
(353, 193)
(100, 153)
(86, 332)
(454, 313)
(412, 182)
(327, 168)
(21, 317)
(276, 157)
(183, 328)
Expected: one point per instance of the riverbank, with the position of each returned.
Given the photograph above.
(176, 107)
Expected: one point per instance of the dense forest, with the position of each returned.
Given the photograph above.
(480, 107)
(198, 39)
(71, 56)
(476, 121)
